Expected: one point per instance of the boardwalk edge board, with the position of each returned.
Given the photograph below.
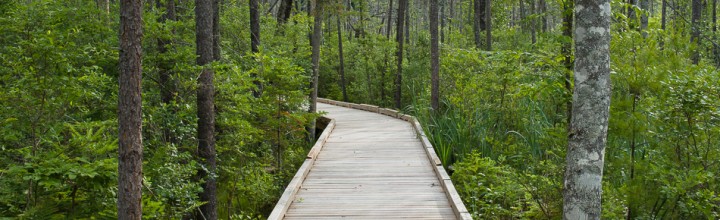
(283, 204)
(458, 206)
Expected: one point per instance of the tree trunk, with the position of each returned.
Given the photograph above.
(645, 5)
(315, 42)
(488, 24)
(285, 11)
(206, 107)
(442, 21)
(631, 4)
(255, 42)
(167, 85)
(523, 22)
(567, 52)
(216, 29)
(543, 9)
(342, 60)
(399, 39)
(254, 26)
(130, 111)
(434, 56)
(663, 24)
(389, 19)
(407, 22)
(582, 190)
(478, 21)
(695, 37)
(533, 22)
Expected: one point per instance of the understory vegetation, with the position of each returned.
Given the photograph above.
(501, 130)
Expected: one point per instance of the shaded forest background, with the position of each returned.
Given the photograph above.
(501, 127)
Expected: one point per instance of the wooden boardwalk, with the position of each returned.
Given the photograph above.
(369, 165)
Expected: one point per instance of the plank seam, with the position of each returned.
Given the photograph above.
(293, 187)
(451, 193)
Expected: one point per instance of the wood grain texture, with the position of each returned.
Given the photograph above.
(372, 166)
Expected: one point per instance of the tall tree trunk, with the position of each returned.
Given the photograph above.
(716, 48)
(543, 9)
(315, 42)
(567, 52)
(389, 19)
(478, 21)
(206, 107)
(342, 60)
(442, 21)
(663, 24)
(255, 42)
(168, 87)
(400, 41)
(523, 22)
(216, 29)
(533, 22)
(488, 24)
(695, 37)
(582, 190)
(254, 26)
(407, 22)
(130, 111)
(434, 57)
(285, 11)
(645, 5)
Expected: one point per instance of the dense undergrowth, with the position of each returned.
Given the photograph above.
(58, 117)
(501, 130)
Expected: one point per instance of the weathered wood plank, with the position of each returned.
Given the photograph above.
(375, 165)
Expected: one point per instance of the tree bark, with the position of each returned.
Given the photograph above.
(533, 22)
(488, 24)
(434, 57)
(442, 21)
(315, 42)
(567, 52)
(342, 60)
(130, 111)
(695, 37)
(543, 9)
(631, 13)
(478, 21)
(663, 23)
(216, 29)
(645, 6)
(400, 41)
(582, 191)
(389, 19)
(204, 14)
(285, 11)
(254, 26)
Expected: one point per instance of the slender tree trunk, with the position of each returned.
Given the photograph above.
(285, 11)
(523, 22)
(168, 87)
(488, 24)
(663, 24)
(206, 107)
(567, 51)
(543, 9)
(442, 21)
(582, 190)
(716, 49)
(645, 5)
(389, 19)
(254, 26)
(478, 21)
(130, 111)
(315, 41)
(434, 56)
(342, 60)
(533, 22)
(407, 22)
(695, 37)
(216, 29)
(255, 41)
(400, 41)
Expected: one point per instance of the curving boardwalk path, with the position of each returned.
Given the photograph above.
(371, 166)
